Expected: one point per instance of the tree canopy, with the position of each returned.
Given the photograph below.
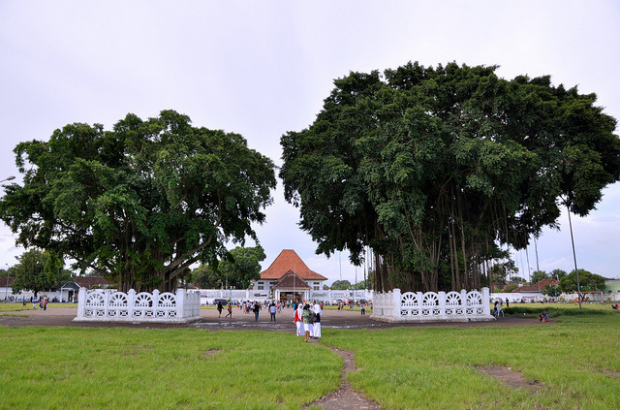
(141, 203)
(242, 266)
(341, 285)
(37, 271)
(588, 282)
(441, 170)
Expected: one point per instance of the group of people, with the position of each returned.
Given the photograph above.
(308, 320)
(35, 300)
(220, 307)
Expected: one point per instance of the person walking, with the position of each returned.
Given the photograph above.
(34, 303)
(256, 310)
(219, 309)
(305, 317)
(299, 313)
(229, 310)
(45, 303)
(298, 324)
(316, 326)
(272, 311)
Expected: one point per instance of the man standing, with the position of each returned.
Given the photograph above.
(272, 310)
(256, 310)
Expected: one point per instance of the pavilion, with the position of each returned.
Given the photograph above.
(288, 278)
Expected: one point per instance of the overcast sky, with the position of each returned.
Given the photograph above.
(262, 68)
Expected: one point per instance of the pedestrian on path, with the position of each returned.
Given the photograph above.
(299, 312)
(272, 311)
(256, 310)
(316, 326)
(305, 316)
(229, 310)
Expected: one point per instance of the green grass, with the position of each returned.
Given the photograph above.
(16, 307)
(76, 368)
(575, 359)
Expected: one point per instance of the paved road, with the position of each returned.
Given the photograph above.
(240, 321)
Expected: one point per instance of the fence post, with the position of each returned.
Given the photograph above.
(486, 301)
(397, 301)
(442, 303)
(464, 301)
(106, 302)
(81, 302)
(420, 303)
(131, 301)
(180, 303)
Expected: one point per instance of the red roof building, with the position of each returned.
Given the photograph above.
(536, 288)
(288, 278)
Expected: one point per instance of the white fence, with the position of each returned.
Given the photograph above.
(110, 305)
(432, 307)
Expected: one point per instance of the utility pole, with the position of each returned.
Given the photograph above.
(572, 240)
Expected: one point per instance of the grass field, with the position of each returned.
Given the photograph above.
(575, 359)
(12, 307)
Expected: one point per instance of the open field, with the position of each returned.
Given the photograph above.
(572, 362)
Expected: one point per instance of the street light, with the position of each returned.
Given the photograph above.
(8, 179)
(6, 292)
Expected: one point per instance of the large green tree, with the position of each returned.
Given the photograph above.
(37, 271)
(588, 282)
(439, 170)
(205, 277)
(242, 266)
(140, 203)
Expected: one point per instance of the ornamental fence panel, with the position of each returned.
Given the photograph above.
(110, 305)
(432, 306)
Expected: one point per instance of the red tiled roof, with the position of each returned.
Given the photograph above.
(286, 261)
(89, 281)
(536, 287)
(291, 281)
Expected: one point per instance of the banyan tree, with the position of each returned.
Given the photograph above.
(440, 170)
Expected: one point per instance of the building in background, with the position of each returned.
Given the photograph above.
(287, 279)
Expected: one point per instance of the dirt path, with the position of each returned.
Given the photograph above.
(345, 398)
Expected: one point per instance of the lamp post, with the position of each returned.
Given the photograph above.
(570, 224)
(6, 292)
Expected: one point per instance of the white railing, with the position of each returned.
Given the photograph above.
(110, 305)
(460, 306)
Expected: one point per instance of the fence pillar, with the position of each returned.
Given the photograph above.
(464, 301)
(81, 302)
(131, 301)
(420, 296)
(396, 301)
(181, 302)
(442, 303)
(106, 302)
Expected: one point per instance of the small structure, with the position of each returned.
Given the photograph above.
(533, 292)
(288, 278)
(111, 306)
(427, 307)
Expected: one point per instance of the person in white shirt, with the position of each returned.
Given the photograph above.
(316, 308)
